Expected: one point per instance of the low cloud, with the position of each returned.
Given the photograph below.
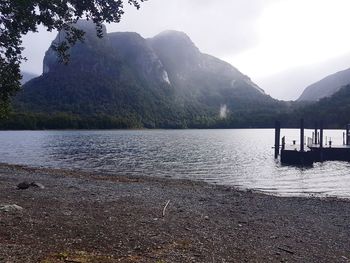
(223, 112)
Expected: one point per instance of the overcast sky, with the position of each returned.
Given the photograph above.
(282, 45)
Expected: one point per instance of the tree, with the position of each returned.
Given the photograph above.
(18, 17)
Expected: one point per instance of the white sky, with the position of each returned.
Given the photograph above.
(275, 42)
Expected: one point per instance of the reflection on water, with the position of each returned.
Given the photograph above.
(242, 158)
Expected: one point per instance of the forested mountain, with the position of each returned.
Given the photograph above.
(326, 87)
(334, 111)
(124, 80)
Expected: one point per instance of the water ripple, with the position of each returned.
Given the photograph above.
(242, 158)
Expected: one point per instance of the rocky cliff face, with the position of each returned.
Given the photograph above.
(189, 67)
(326, 87)
(139, 55)
(87, 56)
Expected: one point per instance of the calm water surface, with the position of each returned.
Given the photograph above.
(242, 158)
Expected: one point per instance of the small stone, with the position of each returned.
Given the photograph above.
(10, 208)
(23, 185)
(206, 217)
(137, 248)
(37, 185)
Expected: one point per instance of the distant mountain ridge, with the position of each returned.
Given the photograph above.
(326, 87)
(164, 81)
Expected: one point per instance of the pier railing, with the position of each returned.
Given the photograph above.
(310, 142)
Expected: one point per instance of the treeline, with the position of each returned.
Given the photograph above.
(334, 118)
(42, 121)
(333, 111)
(61, 120)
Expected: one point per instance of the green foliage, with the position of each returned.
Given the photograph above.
(334, 111)
(19, 17)
(62, 120)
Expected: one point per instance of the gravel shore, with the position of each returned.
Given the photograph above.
(87, 217)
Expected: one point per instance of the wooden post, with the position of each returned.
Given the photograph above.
(347, 134)
(302, 135)
(315, 132)
(283, 142)
(277, 138)
(321, 141)
(321, 135)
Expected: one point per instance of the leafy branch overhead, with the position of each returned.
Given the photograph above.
(18, 17)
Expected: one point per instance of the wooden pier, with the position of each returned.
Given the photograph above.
(314, 150)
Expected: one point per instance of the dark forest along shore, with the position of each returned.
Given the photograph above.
(242, 158)
(95, 217)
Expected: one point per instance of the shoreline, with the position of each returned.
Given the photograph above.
(111, 176)
(95, 217)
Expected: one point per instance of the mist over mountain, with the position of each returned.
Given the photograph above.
(290, 83)
(164, 81)
(326, 87)
(202, 74)
(26, 76)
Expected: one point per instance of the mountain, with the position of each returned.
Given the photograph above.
(207, 78)
(334, 111)
(26, 76)
(326, 87)
(125, 79)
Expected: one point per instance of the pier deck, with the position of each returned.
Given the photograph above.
(291, 154)
(315, 150)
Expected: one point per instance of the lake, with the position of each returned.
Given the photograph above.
(240, 157)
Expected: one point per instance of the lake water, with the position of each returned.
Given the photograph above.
(242, 158)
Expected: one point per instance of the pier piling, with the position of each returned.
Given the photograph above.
(316, 132)
(321, 141)
(277, 138)
(302, 135)
(321, 135)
